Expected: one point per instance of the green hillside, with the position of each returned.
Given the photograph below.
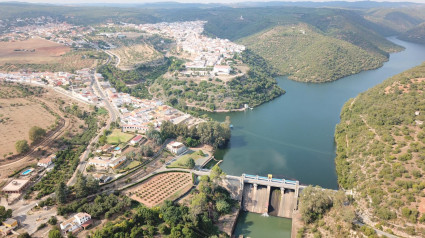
(398, 20)
(381, 152)
(344, 37)
(416, 34)
(309, 56)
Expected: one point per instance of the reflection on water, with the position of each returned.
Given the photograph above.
(256, 225)
(293, 135)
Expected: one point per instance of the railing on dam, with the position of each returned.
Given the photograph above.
(272, 181)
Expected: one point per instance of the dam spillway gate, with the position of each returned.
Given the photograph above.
(277, 197)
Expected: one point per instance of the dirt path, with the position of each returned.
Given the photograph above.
(377, 137)
(44, 145)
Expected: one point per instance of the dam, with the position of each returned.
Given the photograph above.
(267, 195)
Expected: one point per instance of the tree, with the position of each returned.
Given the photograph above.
(61, 192)
(80, 186)
(36, 133)
(222, 206)
(24, 235)
(216, 174)
(55, 233)
(314, 202)
(52, 221)
(4, 214)
(190, 163)
(22, 146)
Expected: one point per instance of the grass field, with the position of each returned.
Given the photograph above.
(182, 161)
(117, 137)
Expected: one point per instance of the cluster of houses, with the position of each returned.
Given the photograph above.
(137, 115)
(78, 84)
(48, 28)
(207, 55)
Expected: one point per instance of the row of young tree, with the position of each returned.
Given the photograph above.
(174, 220)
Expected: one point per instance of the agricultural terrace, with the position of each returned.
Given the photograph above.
(132, 55)
(161, 187)
(184, 161)
(118, 137)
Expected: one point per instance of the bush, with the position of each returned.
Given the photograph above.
(36, 133)
(21, 146)
(52, 221)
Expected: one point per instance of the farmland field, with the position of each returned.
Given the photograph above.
(31, 51)
(23, 106)
(43, 55)
(18, 115)
(117, 137)
(161, 187)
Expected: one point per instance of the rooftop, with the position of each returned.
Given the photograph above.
(16, 185)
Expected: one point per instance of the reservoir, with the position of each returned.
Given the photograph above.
(293, 136)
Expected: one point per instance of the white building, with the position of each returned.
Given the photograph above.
(46, 162)
(106, 162)
(222, 69)
(75, 222)
(176, 147)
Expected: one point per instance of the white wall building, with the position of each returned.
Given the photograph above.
(176, 147)
(75, 222)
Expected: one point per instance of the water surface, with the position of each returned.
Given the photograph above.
(293, 135)
(254, 225)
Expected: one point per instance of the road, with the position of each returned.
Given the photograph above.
(113, 116)
(112, 55)
(364, 221)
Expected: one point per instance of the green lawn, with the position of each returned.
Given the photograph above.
(117, 137)
(182, 161)
(133, 164)
(102, 111)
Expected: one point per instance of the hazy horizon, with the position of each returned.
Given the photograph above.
(190, 1)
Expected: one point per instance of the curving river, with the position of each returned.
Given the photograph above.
(293, 135)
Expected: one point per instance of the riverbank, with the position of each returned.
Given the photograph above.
(280, 136)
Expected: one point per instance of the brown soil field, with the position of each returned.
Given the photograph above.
(31, 51)
(33, 113)
(19, 121)
(166, 186)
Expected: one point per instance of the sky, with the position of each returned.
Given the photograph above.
(187, 1)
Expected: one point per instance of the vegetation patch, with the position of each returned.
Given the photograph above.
(161, 187)
(118, 137)
(381, 151)
(188, 160)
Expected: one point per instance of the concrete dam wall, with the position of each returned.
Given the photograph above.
(266, 199)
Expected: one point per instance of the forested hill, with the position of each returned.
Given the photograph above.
(381, 152)
(341, 42)
(328, 44)
(416, 34)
